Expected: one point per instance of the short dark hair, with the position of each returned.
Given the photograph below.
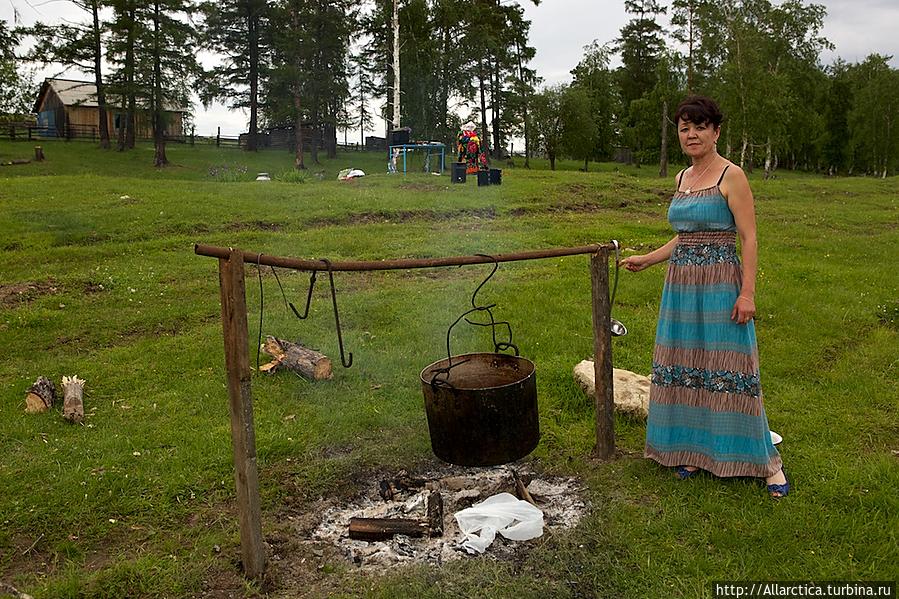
(699, 110)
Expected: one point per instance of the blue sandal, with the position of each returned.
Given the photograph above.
(683, 473)
(779, 491)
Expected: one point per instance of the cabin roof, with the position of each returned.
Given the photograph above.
(72, 92)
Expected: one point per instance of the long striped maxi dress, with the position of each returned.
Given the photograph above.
(705, 402)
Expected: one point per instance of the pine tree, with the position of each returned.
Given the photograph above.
(310, 45)
(123, 80)
(641, 44)
(237, 30)
(364, 90)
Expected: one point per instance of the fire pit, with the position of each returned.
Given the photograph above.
(405, 497)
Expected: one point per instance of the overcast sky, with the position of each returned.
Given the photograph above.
(559, 31)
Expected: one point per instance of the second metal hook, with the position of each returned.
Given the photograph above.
(343, 360)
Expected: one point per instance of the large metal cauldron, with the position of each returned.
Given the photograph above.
(483, 410)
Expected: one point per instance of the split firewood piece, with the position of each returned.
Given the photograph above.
(40, 397)
(382, 529)
(403, 482)
(8, 589)
(291, 356)
(73, 398)
(435, 514)
(521, 490)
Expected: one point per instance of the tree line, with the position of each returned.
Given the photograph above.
(323, 65)
(760, 60)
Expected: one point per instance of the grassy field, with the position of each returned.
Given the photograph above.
(98, 277)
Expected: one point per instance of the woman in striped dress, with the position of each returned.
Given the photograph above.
(705, 406)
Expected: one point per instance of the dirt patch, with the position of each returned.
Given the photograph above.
(402, 216)
(91, 287)
(576, 207)
(256, 225)
(577, 189)
(170, 328)
(84, 341)
(569, 208)
(420, 186)
(16, 294)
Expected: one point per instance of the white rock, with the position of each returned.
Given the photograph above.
(631, 389)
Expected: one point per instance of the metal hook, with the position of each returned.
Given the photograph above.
(618, 328)
(261, 308)
(290, 305)
(617, 259)
(484, 282)
(346, 363)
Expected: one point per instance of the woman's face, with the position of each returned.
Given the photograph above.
(697, 140)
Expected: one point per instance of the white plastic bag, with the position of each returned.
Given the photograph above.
(502, 513)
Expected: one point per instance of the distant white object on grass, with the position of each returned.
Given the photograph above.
(350, 173)
(775, 438)
(263, 177)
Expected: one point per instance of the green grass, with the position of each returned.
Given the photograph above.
(135, 502)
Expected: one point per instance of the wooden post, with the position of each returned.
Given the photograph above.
(218, 137)
(602, 354)
(243, 435)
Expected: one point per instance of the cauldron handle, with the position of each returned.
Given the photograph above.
(497, 345)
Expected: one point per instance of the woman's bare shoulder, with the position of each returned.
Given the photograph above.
(734, 182)
(733, 172)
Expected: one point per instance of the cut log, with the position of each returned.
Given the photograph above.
(73, 398)
(307, 362)
(40, 397)
(38, 153)
(435, 514)
(381, 529)
(521, 490)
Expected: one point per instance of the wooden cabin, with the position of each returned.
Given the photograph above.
(68, 108)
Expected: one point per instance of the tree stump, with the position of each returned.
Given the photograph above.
(290, 356)
(38, 154)
(73, 398)
(40, 397)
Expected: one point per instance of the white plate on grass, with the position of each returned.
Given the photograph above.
(775, 438)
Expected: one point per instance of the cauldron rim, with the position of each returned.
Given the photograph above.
(518, 381)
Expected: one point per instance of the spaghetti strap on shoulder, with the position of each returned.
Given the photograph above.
(721, 178)
(680, 178)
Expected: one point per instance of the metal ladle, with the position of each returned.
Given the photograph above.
(618, 329)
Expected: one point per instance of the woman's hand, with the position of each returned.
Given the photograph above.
(635, 263)
(744, 310)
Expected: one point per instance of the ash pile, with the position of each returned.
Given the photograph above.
(409, 518)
